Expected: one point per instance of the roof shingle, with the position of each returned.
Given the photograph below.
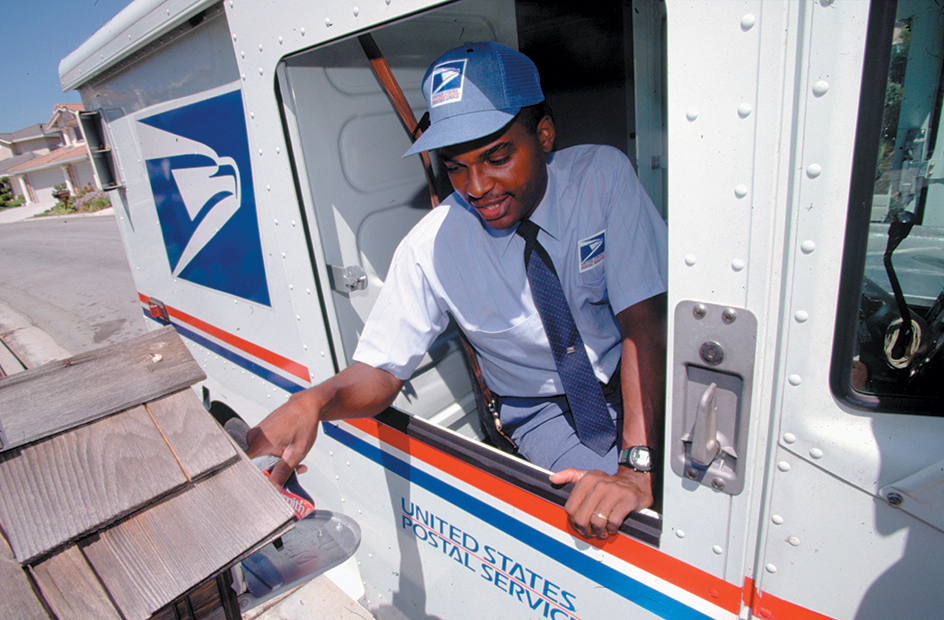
(62, 155)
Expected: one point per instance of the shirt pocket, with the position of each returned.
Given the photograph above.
(590, 287)
(522, 344)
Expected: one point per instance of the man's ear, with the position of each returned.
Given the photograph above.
(546, 133)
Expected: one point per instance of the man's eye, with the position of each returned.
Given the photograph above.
(498, 161)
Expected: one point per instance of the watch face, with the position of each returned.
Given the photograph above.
(637, 457)
(641, 459)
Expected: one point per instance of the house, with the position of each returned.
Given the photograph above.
(19, 147)
(25, 144)
(45, 155)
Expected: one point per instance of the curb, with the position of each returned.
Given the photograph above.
(101, 213)
(27, 214)
(23, 344)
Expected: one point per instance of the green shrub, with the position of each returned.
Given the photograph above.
(6, 194)
(85, 200)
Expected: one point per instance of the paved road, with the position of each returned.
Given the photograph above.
(71, 279)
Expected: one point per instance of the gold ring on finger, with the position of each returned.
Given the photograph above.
(602, 516)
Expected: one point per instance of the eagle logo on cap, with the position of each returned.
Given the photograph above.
(447, 82)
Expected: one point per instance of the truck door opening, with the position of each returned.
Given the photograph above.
(360, 198)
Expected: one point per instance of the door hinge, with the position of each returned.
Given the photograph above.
(348, 279)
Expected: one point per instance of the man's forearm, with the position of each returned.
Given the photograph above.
(643, 373)
(358, 391)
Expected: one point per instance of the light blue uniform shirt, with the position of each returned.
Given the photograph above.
(607, 242)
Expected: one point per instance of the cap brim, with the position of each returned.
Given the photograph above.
(461, 128)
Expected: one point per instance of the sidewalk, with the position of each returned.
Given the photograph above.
(18, 214)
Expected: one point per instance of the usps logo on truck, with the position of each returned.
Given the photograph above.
(197, 160)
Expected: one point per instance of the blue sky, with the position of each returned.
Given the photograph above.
(37, 34)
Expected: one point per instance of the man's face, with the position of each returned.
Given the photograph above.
(504, 178)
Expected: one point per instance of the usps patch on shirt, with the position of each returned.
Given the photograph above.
(591, 251)
(447, 81)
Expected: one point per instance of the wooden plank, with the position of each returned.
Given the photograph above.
(67, 393)
(18, 600)
(152, 558)
(56, 490)
(167, 613)
(228, 599)
(192, 433)
(71, 588)
(203, 603)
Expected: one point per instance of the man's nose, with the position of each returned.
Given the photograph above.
(480, 184)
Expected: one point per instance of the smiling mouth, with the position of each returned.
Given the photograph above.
(492, 209)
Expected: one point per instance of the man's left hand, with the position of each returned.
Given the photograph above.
(600, 502)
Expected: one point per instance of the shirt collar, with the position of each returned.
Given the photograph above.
(547, 213)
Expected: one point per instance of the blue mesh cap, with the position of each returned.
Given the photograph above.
(473, 91)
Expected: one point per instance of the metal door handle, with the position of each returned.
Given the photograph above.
(705, 446)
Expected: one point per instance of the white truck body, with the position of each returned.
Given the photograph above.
(254, 165)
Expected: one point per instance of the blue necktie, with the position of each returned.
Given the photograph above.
(595, 428)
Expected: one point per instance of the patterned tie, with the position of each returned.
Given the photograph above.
(595, 428)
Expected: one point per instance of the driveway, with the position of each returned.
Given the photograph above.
(18, 214)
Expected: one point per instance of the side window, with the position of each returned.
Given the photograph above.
(893, 268)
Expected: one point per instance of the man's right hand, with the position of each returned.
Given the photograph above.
(289, 432)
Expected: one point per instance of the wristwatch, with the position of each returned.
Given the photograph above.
(640, 458)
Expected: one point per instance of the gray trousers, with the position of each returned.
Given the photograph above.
(543, 429)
